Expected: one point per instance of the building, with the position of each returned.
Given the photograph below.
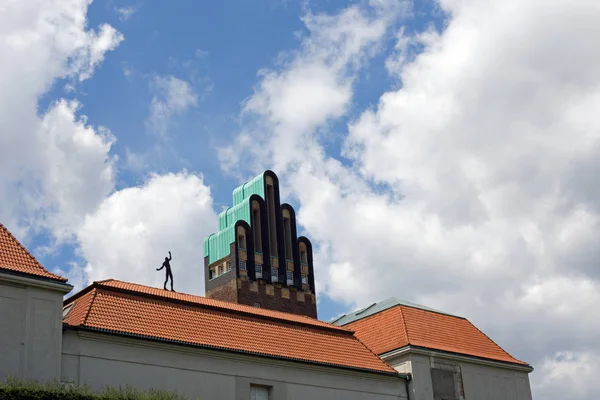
(254, 335)
(256, 257)
(31, 302)
(118, 333)
(121, 333)
(447, 356)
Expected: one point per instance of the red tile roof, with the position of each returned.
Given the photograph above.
(130, 309)
(401, 326)
(14, 257)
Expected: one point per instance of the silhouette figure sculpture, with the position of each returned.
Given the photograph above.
(167, 264)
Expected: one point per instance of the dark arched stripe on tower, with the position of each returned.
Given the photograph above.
(295, 250)
(249, 249)
(278, 224)
(264, 235)
(309, 259)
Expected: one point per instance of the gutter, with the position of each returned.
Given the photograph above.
(30, 280)
(455, 356)
(211, 347)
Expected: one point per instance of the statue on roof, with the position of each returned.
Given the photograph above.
(168, 274)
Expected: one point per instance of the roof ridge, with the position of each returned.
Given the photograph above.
(372, 352)
(105, 280)
(14, 239)
(79, 294)
(497, 345)
(227, 306)
(89, 307)
(30, 256)
(404, 323)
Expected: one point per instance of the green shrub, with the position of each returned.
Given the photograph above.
(14, 389)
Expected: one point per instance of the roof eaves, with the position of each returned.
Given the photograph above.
(524, 365)
(10, 271)
(206, 346)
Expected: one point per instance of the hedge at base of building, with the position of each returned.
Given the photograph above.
(14, 389)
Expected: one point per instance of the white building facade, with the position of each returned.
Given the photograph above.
(99, 359)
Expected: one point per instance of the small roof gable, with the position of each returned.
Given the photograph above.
(140, 311)
(396, 325)
(15, 258)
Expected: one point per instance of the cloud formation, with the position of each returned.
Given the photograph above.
(126, 12)
(55, 167)
(172, 97)
(470, 188)
(130, 233)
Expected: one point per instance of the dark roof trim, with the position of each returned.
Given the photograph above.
(225, 349)
(34, 276)
(451, 353)
(98, 285)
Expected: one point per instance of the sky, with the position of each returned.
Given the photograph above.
(446, 152)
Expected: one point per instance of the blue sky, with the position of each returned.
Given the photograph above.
(443, 152)
(219, 48)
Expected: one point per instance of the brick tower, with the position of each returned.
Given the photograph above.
(256, 257)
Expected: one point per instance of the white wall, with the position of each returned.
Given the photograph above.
(99, 360)
(480, 382)
(30, 329)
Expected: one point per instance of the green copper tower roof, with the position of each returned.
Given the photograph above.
(254, 186)
(217, 245)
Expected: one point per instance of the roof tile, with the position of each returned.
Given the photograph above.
(14, 257)
(201, 300)
(400, 326)
(126, 308)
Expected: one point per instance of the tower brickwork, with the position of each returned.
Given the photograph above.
(256, 257)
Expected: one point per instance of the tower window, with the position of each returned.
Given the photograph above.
(290, 277)
(242, 265)
(305, 279)
(259, 271)
(241, 235)
(303, 253)
(274, 275)
(256, 226)
(271, 215)
(287, 232)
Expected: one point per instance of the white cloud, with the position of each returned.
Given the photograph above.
(568, 369)
(130, 233)
(73, 154)
(55, 167)
(172, 96)
(201, 54)
(471, 188)
(314, 84)
(126, 12)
